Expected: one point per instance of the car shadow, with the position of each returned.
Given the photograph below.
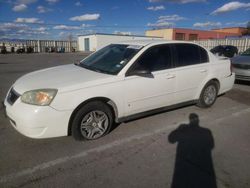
(193, 163)
(242, 82)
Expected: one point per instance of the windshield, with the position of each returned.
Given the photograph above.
(110, 59)
(246, 53)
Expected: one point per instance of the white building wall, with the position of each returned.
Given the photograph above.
(98, 41)
(92, 42)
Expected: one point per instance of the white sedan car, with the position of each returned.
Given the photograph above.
(117, 83)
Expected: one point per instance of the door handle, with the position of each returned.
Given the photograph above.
(203, 70)
(170, 76)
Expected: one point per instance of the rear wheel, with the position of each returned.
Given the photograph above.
(92, 121)
(208, 95)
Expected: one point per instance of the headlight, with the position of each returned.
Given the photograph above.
(41, 97)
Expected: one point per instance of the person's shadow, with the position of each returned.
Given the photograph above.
(193, 163)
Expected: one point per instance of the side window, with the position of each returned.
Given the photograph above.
(187, 54)
(203, 55)
(190, 54)
(154, 59)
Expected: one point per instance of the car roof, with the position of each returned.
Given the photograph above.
(153, 42)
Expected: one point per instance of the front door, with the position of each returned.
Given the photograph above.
(155, 90)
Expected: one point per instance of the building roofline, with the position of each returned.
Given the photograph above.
(196, 29)
(160, 29)
(110, 34)
(176, 28)
(229, 28)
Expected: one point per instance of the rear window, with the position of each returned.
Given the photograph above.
(203, 55)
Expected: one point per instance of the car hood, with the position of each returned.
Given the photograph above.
(64, 78)
(241, 59)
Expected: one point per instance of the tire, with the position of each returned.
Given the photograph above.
(208, 95)
(92, 121)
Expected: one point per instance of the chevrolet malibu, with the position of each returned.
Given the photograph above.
(119, 82)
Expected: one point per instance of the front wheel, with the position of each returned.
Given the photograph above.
(208, 95)
(92, 121)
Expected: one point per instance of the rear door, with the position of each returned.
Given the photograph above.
(192, 68)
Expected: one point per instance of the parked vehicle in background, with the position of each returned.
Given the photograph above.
(20, 50)
(120, 82)
(61, 50)
(30, 49)
(3, 50)
(12, 49)
(241, 66)
(225, 50)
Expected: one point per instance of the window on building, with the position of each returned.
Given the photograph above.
(193, 36)
(179, 36)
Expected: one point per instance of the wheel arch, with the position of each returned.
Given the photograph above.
(105, 100)
(216, 81)
(203, 85)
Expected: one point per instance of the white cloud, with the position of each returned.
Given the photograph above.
(12, 26)
(231, 7)
(13, 29)
(19, 8)
(166, 21)
(26, 2)
(85, 17)
(42, 9)
(161, 24)
(207, 24)
(87, 25)
(122, 33)
(42, 29)
(78, 4)
(65, 27)
(28, 20)
(173, 17)
(9, 35)
(155, 8)
(178, 1)
(32, 32)
(61, 33)
(52, 1)
(68, 27)
(237, 23)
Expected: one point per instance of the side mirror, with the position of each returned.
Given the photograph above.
(142, 73)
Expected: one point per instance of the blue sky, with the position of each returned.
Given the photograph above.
(57, 19)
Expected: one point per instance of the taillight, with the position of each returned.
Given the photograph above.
(231, 66)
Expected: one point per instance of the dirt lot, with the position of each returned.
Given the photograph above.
(144, 153)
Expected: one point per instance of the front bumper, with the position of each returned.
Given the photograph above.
(37, 121)
(242, 74)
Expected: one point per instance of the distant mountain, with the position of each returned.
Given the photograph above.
(11, 40)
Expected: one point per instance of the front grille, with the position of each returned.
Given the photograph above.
(241, 66)
(12, 96)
